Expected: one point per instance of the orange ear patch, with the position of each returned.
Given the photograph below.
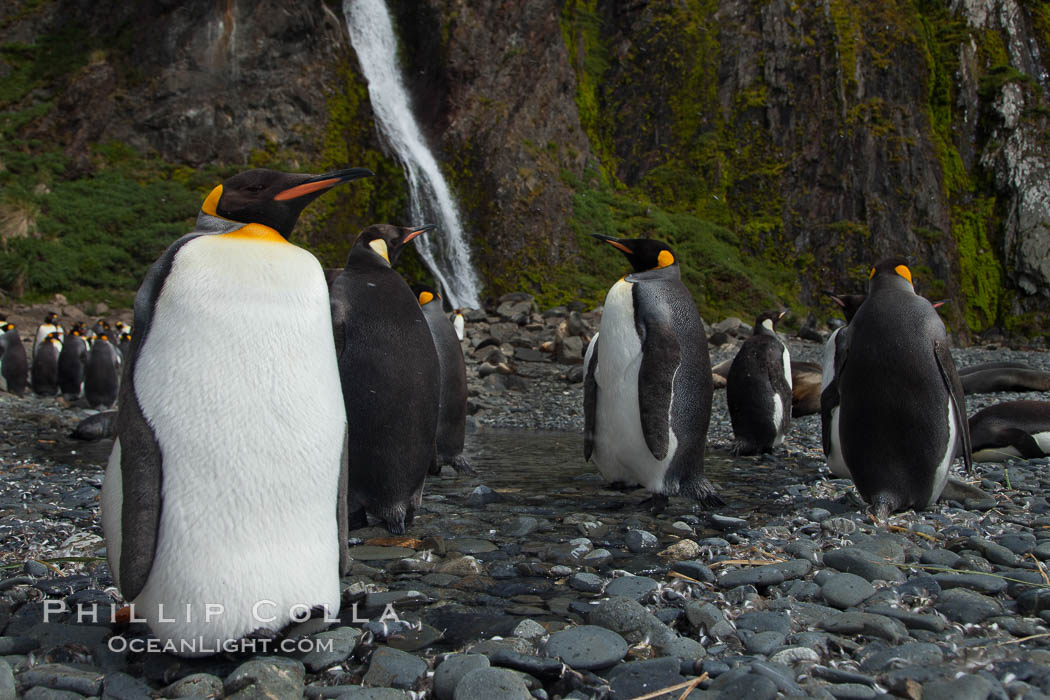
(872, 273)
(903, 271)
(425, 298)
(664, 259)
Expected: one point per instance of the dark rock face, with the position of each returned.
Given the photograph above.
(499, 96)
(200, 82)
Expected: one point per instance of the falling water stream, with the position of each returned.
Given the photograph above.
(445, 251)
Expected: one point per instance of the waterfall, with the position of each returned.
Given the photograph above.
(445, 251)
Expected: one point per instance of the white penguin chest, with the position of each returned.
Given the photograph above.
(620, 451)
(237, 377)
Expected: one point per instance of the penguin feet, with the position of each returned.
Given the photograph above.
(702, 491)
(357, 519)
(656, 503)
(462, 465)
(620, 486)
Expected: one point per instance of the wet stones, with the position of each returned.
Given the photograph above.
(587, 647)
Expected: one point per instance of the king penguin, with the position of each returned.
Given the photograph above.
(223, 500)
(49, 326)
(102, 373)
(14, 366)
(71, 363)
(901, 411)
(647, 383)
(390, 373)
(44, 376)
(758, 389)
(452, 404)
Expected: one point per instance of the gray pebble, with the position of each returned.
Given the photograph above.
(639, 541)
(587, 647)
(341, 640)
(765, 622)
(846, 590)
(42, 693)
(750, 686)
(393, 668)
(636, 587)
(764, 643)
(965, 687)
(851, 691)
(940, 557)
(487, 683)
(758, 576)
(696, 570)
(586, 582)
(7, 682)
(708, 617)
(63, 677)
(195, 685)
(452, 669)
(982, 583)
(853, 560)
(121, 686)
(267, 676)
(964, 605)
(851, 622)
(520, 526)
(631, 680)
(907, 654)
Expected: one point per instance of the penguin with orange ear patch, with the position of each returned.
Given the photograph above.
(390, 375)
(223, 503)
(901, 411)
(647, 383)
(452, 406)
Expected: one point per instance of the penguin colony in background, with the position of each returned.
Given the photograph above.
(253, 456)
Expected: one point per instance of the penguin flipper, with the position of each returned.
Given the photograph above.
(661, 357)
(342, 508)
(956, 396)
(829, 397)
(590, 397)
(141, 474)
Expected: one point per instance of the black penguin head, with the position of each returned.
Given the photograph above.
(7, 327)
(643, 253)
(766, 322)
(387, 241)
(272, 198)
(125, 336)
(103, 336)
(51, 318)
(849, 303)
(53, 337)
(425, 294)
(891, 272)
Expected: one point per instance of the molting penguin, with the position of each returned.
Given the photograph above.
(49, 326)
(758, 389)
(102, 373)
(225, 484)
(452, 404)
(71, 363)
(647, 384)
(44, 376)
(390, 376)
(902, 413)
(1011, 429)
(14, 365)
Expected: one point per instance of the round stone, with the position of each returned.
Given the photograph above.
(846, 590)
(487, 683)
(636, 587)
(587, 647)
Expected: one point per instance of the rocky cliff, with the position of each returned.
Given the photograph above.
(782, 147)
